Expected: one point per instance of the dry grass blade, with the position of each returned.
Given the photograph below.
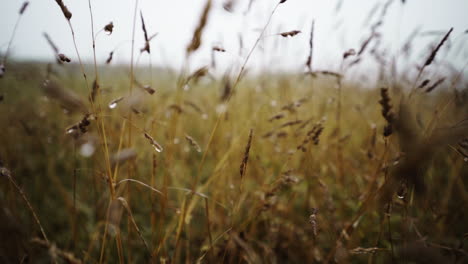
(363, 251)
(142, 184)
(435, 85)
(243, 166)
(4, 172)
(54, 251)
(329, 73)
(365, 44)
(194, 106)
(129, 211)
(197, 35)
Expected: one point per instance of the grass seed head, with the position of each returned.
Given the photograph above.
(290, 33)
(65, 11)
(109, 59)
(23, 7)
(197, 35)
(243, 166)
(433, 54)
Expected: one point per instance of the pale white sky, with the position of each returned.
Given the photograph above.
(175, 21)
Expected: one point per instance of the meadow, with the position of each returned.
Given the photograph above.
(104, 163)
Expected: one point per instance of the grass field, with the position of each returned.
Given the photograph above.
(184, 167)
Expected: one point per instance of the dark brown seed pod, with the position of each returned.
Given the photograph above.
(290, 33)
(109, 28)
(63, 58)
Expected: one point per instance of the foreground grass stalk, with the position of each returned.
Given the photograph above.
(28, 204)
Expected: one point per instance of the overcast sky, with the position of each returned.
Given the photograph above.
(175, 20)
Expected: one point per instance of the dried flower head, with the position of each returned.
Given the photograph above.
(290, 33)
(350, 52)
(313, 221)
(153, 142)
(63, 58)
(113, 103)
(218, 49)
(109, 28)
(81, 127)
(193, 143)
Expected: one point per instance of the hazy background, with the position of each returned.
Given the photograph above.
(339, 25)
